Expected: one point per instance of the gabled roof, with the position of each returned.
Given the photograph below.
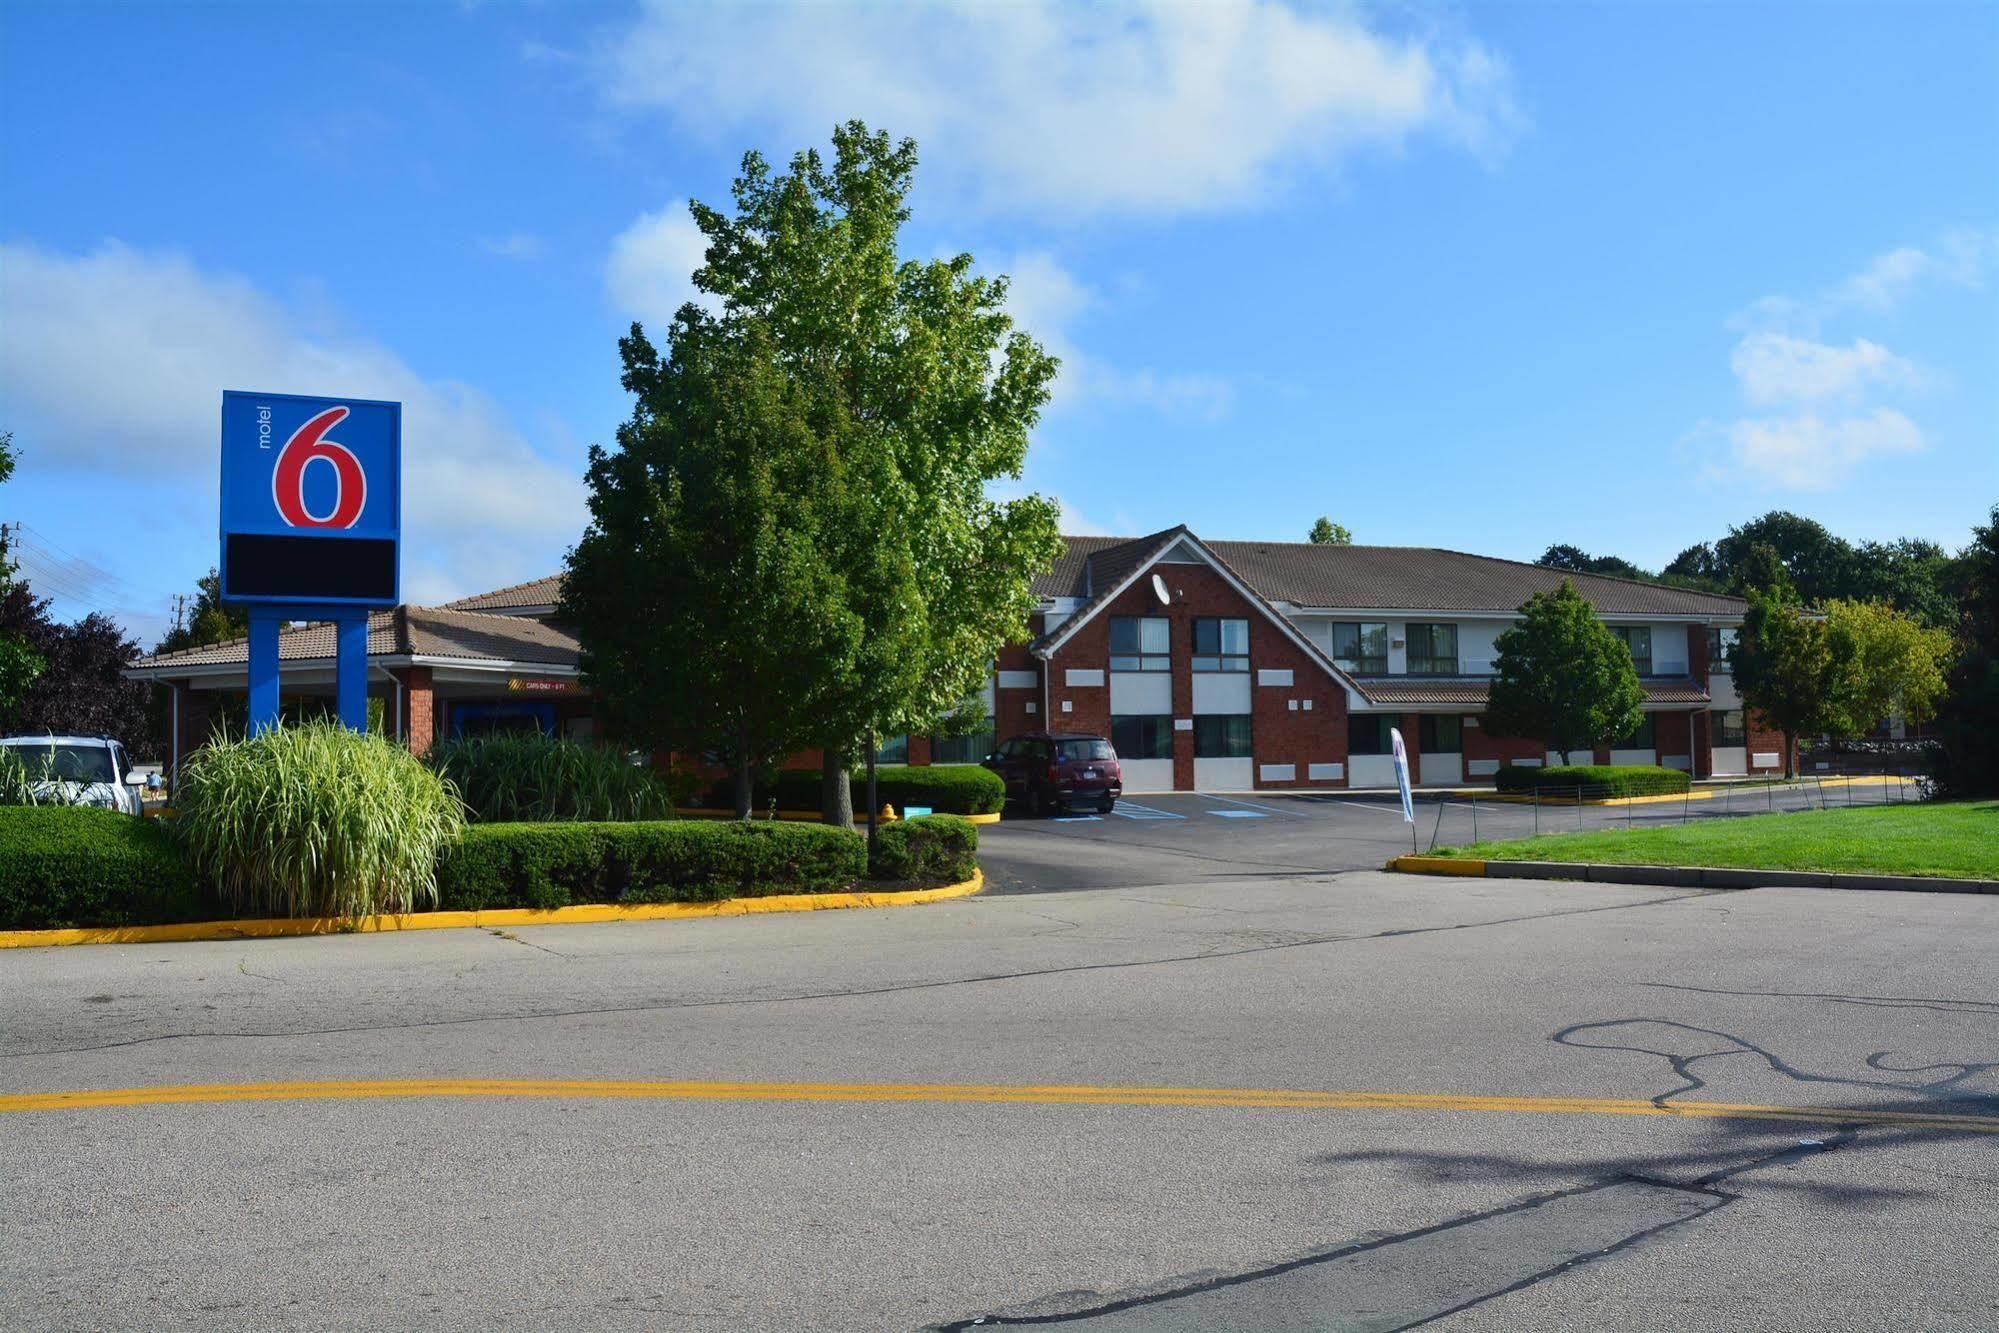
(539, 592)
(1413, 578)
(1112, 569)
(410, 631)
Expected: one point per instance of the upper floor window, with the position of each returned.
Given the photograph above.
(1141, 643)
(1717, 651)
(1433, 650)
(1638, 638)
(1221, 645)
(1361, 647)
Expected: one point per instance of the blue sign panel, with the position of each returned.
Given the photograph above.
(311, 500)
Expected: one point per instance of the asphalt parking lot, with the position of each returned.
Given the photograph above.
(1184, 837)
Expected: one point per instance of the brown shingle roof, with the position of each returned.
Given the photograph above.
(1472, 691)
(535, 592)
(418, 631)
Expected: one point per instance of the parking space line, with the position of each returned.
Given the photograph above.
(1238, 814)
(1078, 819)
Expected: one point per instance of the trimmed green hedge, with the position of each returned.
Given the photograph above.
(940, 847)
(948, 789)
(1596, 779)
(555, 865)
(514, 778)
(71, 866)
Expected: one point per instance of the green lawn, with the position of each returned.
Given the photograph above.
(1958, 840)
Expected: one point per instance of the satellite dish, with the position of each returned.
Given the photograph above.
(1159, 591)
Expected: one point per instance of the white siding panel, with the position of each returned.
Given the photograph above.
(1083, 677)
(1225, 774)
(1370, 770)
(1634, 756)
(1274, 676)
(1483, 768)
(1475, 650)
(1146, 775)
(1325, 772)
(1019, 680)
(1443, 770)
(1221, 692)
(1678, 761)
(1764, 759)
(1277, 772)
(1141, 693)
(1669, 650)
(1730, 761)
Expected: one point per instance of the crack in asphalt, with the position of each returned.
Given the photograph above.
(858, 992)
(1942, 1006)
(1682, 1064)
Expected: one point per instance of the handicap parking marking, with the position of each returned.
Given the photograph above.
(1078, 819)
(1130, 810)
(1248, 805)
(1239, 814)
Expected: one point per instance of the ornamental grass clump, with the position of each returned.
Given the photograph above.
(316, 820)
(536, 779)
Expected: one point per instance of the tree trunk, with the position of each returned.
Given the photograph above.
(1790, 755)
(742, 774)
(836, 795)
(874, 802)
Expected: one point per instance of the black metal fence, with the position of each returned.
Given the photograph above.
(1461, 819)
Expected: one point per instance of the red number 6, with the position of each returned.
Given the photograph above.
(307, 444)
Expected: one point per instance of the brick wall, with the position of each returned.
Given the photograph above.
(419, 709)
(1279, 732)
(1482, 744)
(1766, 738)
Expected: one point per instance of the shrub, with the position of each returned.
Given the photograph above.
(940, 847)
(510, 779)
(948, 789)
(70, 866)
(315, 820)
(1596, 780)
(555, 865)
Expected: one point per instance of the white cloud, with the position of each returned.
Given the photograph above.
(650, 273)
(1137, 107)
(1776, 368)
(1958, 257)
(1807, 452)
(122, 356)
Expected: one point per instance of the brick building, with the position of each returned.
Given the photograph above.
(1220, 666)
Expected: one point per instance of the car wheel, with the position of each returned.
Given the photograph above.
(1035, 807)
(1106, 805)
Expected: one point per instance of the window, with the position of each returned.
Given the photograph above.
(1143, 736)
(1433, 650)
(1084, 749)
(1640, 739)
(1361, 647)
(963, 749)
(66, 763)
(1221, 645)
(1727, 729)
(1367, 733)
(1141, 643)
(1638, 638)
(1221, 735)
(1717, 652)
(894, 750)
(1436, 734)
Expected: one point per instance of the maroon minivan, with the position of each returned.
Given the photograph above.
(1047, 771)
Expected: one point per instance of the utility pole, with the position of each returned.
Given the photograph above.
(180, 611)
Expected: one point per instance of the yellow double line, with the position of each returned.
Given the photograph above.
(1023, 1094)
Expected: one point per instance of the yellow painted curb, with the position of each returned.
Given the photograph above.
(813, 816)
(581, 914)
(1515, 798)
(1437, 865)
(1300, 1099)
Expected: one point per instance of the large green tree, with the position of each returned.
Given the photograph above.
(20, 664)
(1788, 668)
(1888, 662)
(1562, 677)
(1325, 532)
(1968, 720)
(891, 393)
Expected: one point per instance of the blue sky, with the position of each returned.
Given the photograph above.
(1486, 278)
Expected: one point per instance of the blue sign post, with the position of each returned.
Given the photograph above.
(311, 529)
